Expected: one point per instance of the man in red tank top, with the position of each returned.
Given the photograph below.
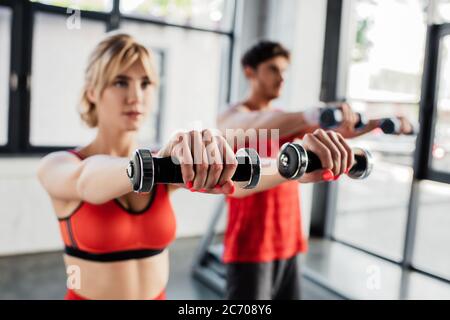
(264, 231)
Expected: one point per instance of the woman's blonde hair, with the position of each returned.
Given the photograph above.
(112, 56)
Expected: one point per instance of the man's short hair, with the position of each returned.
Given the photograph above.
(263, 51)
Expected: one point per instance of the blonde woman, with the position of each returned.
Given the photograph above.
(116, 238)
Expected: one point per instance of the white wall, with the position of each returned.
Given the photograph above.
(27, 222)
(307, 53)
(300, 26)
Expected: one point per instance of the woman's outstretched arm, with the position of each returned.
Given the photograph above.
(96, 179)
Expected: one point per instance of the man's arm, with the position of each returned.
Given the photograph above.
(352, 133)
(406, 128)
(289, 123)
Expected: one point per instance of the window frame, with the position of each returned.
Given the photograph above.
(9, 5)
(430, 101)
(23, 13)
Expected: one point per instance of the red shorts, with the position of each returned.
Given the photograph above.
(72, 295)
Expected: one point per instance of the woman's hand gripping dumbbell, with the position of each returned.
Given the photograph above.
(200, 161)
(322, 156)
(296, 161)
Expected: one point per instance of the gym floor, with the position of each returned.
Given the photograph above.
(42, 276)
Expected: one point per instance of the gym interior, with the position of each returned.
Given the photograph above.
(384, 237)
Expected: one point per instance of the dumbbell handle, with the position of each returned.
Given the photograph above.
(314, 163)
(167, 172)
(145, 171)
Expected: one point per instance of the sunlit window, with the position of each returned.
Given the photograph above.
(388, 52)
(443, 11)
(89, 5)
(213, 14)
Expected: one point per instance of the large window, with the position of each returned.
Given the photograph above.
(380, 68)
(441, 145)
(392, 63)
(5, 40)
(383, 80)
(393, 59)
(430, 250)
(58, 62)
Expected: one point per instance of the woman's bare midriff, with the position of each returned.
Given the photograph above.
(139, 279)
(136, 279)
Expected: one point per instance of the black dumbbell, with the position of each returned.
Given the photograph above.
(393, 126)
(294, 161)
(331, 117)
(145, 171)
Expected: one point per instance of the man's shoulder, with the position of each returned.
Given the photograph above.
(238, 107)
(233, 109)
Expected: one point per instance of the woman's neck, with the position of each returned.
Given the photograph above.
(119, 144)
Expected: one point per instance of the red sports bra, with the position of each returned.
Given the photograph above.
(109, 232)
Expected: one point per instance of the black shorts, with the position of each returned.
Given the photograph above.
(276, 280)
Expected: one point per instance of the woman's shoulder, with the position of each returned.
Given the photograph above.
(77, 152)
(60, 157)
